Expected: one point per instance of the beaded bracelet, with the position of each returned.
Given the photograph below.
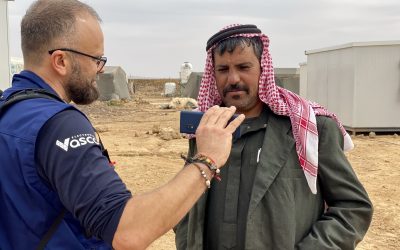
(203, 173)
(200, 158)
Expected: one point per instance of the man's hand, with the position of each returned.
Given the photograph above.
(214, 136)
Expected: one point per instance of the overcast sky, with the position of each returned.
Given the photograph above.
(153, 38)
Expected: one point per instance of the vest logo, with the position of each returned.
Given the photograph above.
(77, 141)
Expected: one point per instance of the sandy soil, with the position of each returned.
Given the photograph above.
(143, 139)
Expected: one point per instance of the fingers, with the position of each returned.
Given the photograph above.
(218, 116)
(210, 116)
(233, 125)
(213, 136)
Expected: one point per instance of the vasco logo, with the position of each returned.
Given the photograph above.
(77, 141)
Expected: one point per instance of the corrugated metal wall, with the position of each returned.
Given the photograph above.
(377, 86)
(359, 82)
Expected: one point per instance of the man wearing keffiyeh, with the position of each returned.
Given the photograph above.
(287, 183)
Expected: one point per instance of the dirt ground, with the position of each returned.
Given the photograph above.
(143, 139)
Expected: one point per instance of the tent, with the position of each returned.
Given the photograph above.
(288, 78)
(113, 84)
(191, 88)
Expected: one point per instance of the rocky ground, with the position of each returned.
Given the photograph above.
(144, 141)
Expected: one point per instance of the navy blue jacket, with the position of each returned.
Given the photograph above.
(29, 196)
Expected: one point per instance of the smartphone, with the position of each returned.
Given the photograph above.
(189, 121)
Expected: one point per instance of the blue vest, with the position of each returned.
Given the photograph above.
(28, 206)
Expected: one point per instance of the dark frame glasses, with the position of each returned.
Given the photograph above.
(100, 61)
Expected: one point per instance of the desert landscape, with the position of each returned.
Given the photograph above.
(144, 141)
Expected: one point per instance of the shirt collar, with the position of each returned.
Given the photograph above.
(255, 123)
(29, 80)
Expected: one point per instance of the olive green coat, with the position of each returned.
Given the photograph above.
(283, 213)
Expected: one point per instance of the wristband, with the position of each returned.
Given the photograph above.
(201, 158)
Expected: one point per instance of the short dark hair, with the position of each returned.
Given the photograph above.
(47, 22)
(229, 45)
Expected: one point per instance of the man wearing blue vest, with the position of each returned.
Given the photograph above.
(57, 190)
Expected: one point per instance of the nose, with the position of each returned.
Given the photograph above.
(233, 77)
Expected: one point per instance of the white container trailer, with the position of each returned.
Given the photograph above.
(4, 47)
(360, 82)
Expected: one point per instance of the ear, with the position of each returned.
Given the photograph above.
(60, 62)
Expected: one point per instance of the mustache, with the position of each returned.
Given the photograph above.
(235, 87)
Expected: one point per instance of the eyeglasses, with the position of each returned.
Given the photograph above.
(100, 61)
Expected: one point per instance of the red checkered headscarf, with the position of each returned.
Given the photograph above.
(281, 101)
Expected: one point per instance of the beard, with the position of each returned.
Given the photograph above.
(79, 89)
(243, 103)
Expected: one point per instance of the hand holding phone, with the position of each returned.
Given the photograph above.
(190, 120)
(213, 131)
